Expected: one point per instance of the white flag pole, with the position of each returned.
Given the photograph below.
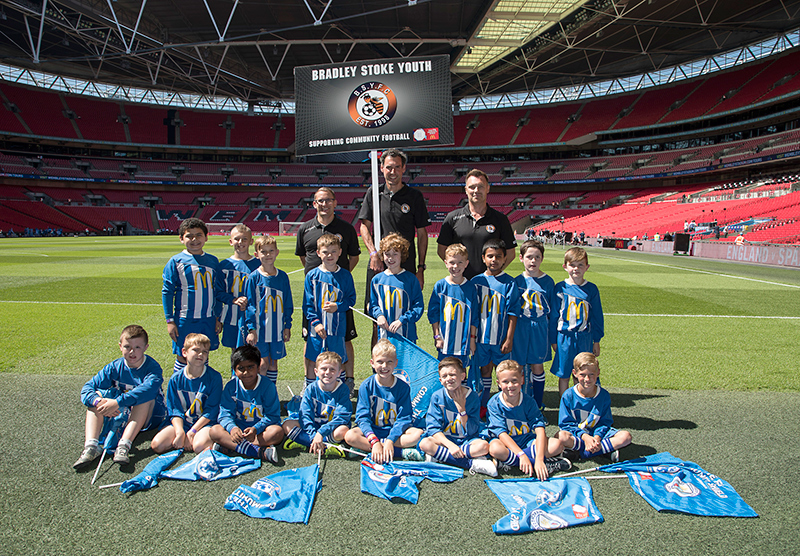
(376, 200)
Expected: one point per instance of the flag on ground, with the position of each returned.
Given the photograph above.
(421, 371)
(538, 506)
(284, 496)
(210, 465)
(399, 479)
(670, 484)
(149, 476)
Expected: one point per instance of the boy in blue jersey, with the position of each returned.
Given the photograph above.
(517, 426)
(234, 273)
(325, 410)
(531, 347)
(249, 410)
(192, 287)
(395, 296)
(193, 397)
(453, 422)
(576, 317)
(498, 300)
(137, 379)
(584, 417)
(383, 411)
(453, 308)
(268, 320)
(328, 294)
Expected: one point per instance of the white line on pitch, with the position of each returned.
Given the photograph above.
(700, 316)
(699, 271)
(82, 303)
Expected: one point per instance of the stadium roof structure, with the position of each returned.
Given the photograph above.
(247, 49)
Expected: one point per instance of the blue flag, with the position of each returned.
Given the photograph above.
(538, 506)
(210, 465)
(113, 426)
(285, 496)
(670, 484)
(148, 478)
(399, 479)
(421, 371)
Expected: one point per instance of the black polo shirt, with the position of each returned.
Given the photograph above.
(403, 212)
(310, 232)
(460, 227)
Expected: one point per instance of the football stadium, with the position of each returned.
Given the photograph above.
(661, 137)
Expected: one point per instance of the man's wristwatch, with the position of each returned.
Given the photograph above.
(423, 267)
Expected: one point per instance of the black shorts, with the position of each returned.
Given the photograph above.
(350, 327)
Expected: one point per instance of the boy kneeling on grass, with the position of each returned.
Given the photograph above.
(325, 410)
(249, 411)
(135, 380)
(585, 415)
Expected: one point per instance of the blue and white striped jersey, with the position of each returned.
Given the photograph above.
(498, 299)
(192, 398)
(397, 297)
(192, 286)
(269, 305)
(455, 307)
(576, 309)
(257, 408)
(322, 286)
(234, 274)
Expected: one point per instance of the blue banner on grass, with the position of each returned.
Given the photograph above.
(399, 479)
(210, 465)
(670, 484)
(421, 371)
(149, 476)
(539, 506)
(285, 496)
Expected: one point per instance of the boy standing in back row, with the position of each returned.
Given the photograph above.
(576, 320)
(192, 287)
(234, 272)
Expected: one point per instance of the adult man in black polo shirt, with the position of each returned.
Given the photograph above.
(404, 211)
(326, 222)
(475, 224)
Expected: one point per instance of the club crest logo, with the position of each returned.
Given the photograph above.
(405, 208)
(548, 498)
(402, 375)
(542, 521)
(267, 485)
(372, 105)
(490, 229)
(208, 467)
(684, 490)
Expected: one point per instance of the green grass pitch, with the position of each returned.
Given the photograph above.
(700, 358)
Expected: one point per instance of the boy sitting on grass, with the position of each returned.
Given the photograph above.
(585, 415)
(453, 422)
(383, 412)
(193, 397)
(249, 411)
(137, 378)
(325, 410)
(518, 427)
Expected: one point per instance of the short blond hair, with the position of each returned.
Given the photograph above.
(195, 339)
(329, 357)
(509, 365)
(384, 347)
(456, 249)
(262, 241)
(328, 239)
(585, 359)
(243, 228)
(576, 254)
